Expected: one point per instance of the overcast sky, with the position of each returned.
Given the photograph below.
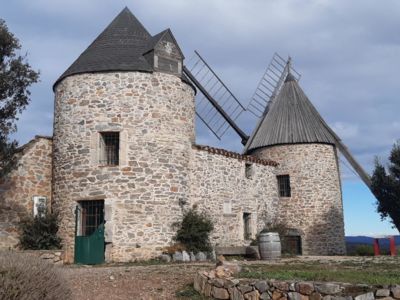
(348, 53)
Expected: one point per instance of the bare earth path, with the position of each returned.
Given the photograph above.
(130, 282)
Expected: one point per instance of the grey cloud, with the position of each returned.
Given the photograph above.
(347, 51)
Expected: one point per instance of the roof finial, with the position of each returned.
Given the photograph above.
(289, 76)
(289, 64)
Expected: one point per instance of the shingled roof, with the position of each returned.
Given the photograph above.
(291, 119)
(120, 47)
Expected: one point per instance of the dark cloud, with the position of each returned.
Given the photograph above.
(347, 51)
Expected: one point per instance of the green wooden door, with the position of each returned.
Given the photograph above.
(89, 233)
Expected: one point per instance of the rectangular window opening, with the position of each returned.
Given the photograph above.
(249, 170)
(109, 148)
(246, 226)
(284, 185)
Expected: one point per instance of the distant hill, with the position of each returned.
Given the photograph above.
(369, 240)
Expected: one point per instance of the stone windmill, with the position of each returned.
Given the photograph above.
(125, 159)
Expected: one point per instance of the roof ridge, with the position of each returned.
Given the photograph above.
(232, 154)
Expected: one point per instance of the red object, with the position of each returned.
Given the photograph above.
(376, 247)
(392, 246)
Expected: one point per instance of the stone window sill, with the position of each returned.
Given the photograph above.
(229, 215)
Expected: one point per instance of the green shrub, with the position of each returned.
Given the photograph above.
(364, 250)
(40, 232)
(24, 276)
(194, 231)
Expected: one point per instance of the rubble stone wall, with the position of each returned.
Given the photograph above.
(154, 114)
(241, 289)
(31, 177)
(315, 207)
(219, 186)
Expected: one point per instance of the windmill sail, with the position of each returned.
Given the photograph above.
(216, 106)
(270, 84)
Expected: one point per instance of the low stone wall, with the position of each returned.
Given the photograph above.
(52, 256)
(246, 289)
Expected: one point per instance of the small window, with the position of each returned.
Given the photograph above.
(39, 206)
(284, 185)
(246, 226)
(109, 148)
(249, 171)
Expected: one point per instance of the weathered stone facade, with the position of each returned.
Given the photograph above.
(315, 207)
(31, 177)
(219, 186)
(153, 112)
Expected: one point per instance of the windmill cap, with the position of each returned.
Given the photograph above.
(290, 77)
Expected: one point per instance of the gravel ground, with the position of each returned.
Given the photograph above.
(130, 282)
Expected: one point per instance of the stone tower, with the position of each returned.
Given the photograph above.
(293, 134)
(123, 132)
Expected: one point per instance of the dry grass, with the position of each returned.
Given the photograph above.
(23, 276)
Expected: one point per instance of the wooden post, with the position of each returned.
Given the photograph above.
(376, 247)
(392, 246)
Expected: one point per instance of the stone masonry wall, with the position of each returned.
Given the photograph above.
(154, 114)
(219, 186)
(31, 177)
(315, 207)
(256, 289)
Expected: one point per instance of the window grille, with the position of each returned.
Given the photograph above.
(109, 148)
(92, 216)
(284, 185)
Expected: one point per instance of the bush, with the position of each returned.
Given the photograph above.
(40, 232)
(23, 276)
(364, 250)
(194, 231)
(280, 228)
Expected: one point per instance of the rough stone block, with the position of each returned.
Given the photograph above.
(281, 285)
(367, 296)
(192, 256)
(254, 295)
(165, 258)
(235, 294)
(396, 291)
(177, 256)
(328, 288)
(245, 288)
(382, 293)
(185, 256)
(315, 296)
(220, 293)
(201, 256)
(305, 288)
(265, 296)
(261, 286)
(294, 296)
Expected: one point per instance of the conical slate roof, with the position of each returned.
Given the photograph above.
(119, 47)
(291, 119)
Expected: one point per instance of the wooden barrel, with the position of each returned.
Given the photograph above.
(269, 245)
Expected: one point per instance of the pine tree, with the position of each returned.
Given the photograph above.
(386, 187)
(16, 75)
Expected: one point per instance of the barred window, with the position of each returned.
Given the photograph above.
(109, 148)
(284, 185)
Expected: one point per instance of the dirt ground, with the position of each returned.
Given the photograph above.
(162, 281)
(130, 281)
